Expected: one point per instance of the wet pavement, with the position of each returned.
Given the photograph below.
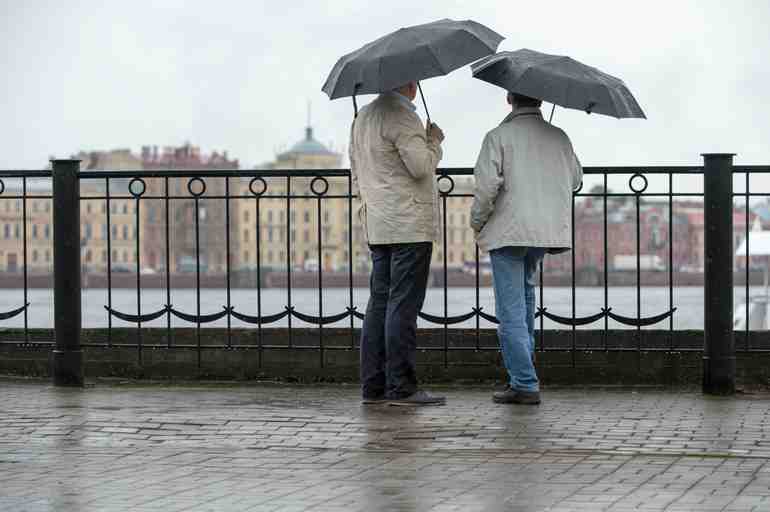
(265, 447)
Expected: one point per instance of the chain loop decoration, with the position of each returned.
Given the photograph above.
(449, 189)
(637, 189)
(261, 191)
(141, 191)
(190, 187)
(323, 181)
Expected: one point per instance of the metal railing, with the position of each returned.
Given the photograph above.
(742, 174)
(197, 188)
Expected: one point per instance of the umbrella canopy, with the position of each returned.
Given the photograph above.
(412, 53)
(559, 80)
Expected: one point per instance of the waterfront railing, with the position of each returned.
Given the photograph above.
(189, 217)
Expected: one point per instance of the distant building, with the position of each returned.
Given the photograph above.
(308, 153)
(208, 234)
(93, 219)
(687, 223)
(93, 212)
(460, 242)
(141, 224)
(289, 231)
(39, 232)
(113, 160)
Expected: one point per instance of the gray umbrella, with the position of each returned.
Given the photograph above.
(559, 80)
(412, 53)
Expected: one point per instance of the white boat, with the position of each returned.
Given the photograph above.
(757, 317)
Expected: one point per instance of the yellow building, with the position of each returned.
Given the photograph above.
(93, 219)
(302, 215)
(93, 234)
(460, 244)
(39, 230)
(93, 213)
(290, 230)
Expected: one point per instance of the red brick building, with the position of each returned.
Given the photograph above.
(686, 223)
(182, 211)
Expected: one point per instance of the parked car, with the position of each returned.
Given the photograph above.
(644, 261)
(485, 266)
(188, 264)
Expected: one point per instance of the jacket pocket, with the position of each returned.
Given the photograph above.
(422, 200)
(362, 218)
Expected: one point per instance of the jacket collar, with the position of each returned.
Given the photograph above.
(400, 98)
(523, 112)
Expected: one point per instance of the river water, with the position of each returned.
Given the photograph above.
(558, 300)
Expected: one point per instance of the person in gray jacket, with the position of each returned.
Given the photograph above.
(525, 176)
(393, 161)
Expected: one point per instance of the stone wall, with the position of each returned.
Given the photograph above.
(338, 361)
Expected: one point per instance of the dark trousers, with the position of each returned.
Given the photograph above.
(389, 336)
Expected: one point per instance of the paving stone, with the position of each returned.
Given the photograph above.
(285, 448)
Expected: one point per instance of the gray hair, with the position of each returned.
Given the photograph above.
(523, 101)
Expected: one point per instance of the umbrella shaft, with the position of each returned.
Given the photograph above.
(425, 105)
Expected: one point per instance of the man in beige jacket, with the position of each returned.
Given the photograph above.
(393, 161)
(522, 208)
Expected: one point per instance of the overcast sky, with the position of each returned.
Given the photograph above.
(237, 76)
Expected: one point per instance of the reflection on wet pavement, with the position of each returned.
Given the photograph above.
(281, 448)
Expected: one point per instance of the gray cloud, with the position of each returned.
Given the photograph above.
(238, 75)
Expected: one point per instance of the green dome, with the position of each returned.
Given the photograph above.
(307, 146)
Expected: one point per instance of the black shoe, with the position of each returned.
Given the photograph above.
(516, 396)
(419, 398)
(375, 400)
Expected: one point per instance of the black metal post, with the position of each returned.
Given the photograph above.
(67, 358)
(719, 340)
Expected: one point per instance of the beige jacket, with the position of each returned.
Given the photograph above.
(525, 176)
(393, 165)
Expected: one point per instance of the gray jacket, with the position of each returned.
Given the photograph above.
(525, 176)
(393, 165)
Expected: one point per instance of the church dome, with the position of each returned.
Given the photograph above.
(307, 146)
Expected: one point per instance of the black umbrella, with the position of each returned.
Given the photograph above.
(559, 80)
(412, 53)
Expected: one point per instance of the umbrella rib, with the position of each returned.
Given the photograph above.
(379, 72)
(438, 62)
(521, 77)
(566, 92)
(611, 96)
(385, 51)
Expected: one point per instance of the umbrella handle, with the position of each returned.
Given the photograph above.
(425, 105)
(355, 104)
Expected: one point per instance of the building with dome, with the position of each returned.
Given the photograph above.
(296, 243)
(308, 154)
(290, 229)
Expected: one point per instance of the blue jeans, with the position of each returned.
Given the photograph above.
(513, 274)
